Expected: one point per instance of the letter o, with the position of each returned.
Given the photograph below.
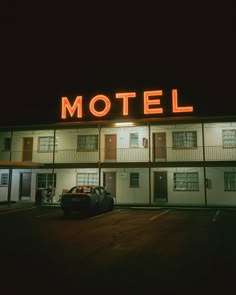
(106, 109)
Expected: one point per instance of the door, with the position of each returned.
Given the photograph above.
(109, 182)
(160, 186)
(25, 186)
(110, 147)
(159, 146)
(27, 149)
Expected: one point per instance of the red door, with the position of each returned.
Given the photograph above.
(110, 147)
(27, 149)
(159, 146)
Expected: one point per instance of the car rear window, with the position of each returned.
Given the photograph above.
(83, 189)
(87, 189)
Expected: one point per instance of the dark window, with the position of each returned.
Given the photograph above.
(134, 180)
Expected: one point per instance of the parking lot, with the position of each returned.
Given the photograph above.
(129, 250)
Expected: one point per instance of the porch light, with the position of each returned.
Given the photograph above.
(122, 124)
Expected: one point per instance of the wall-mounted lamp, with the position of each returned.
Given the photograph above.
(122, 124)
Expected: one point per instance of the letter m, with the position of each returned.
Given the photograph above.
(65, 105)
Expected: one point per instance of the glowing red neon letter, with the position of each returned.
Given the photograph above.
(71, 109)
(148, 102)
(105, 110)
(175, 107)
(125, 97)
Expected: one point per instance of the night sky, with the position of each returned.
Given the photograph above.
(62, 50)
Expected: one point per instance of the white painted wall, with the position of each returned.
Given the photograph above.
(124, 152)
(67, 146)
(194, 154)
(124, 193)
(182, 197)
(214, 142)
(215, 192)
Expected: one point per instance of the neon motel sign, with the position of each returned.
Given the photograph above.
(152, 104)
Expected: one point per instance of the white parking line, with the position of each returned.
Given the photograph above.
(214, 218)
(16, 210)
(156, 216)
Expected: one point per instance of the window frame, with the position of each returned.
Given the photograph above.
(4, 179)
(87, 178)
(48, 146)
(86, 136)
(50, 180)
(186, 178)
(134, 180)
(224, 135)
(134, 142)
(185, 140)
(226, 181)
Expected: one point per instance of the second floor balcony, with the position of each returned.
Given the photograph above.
(119, 155)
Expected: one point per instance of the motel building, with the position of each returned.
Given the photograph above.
(154, 160)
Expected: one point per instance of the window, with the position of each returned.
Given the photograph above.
(45, 144)
(87, 142)
(133, 140)
(134, 180)
(186, 181)
(4, 179)
(229, 138)
(45, 180)
(230, 181)
(6, 144)
(87, 179)
(184, 139)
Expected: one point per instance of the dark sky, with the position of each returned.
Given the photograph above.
(65, 50)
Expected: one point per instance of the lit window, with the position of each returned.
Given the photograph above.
(133, 140)
(87, 179)
(46, 180)
(184, 139)
(4, 179)
(134, 180)
(46, 144)
(229, 138)
(230, 181)
(186, 181)
(87, 142)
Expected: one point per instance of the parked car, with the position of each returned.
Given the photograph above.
(90, 199)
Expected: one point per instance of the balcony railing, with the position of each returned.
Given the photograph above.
(165, 154)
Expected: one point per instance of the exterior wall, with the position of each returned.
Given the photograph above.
(124, 193)
(182, 197)
(124, 152)
(67, 146)
(37, 157)
(193, 154)
(66, 178)
(216, 195)
(15, 189)
(214, 143)
(67, 153)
